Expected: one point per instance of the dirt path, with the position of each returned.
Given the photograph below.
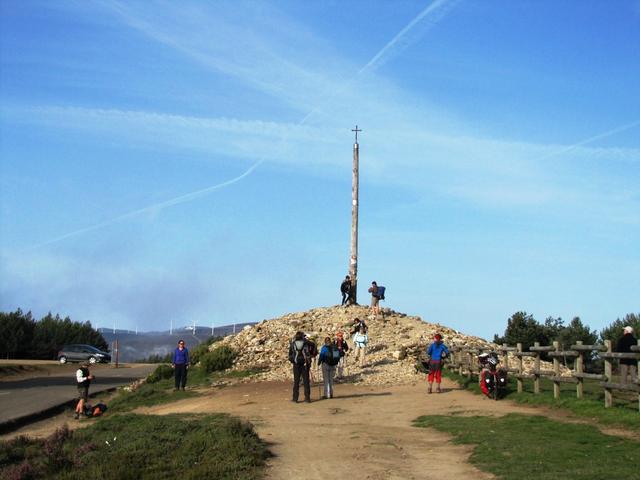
(366, 429)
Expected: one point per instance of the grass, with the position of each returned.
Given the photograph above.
(161, 391)
(130, 446)
(623, 414)
(518, 446)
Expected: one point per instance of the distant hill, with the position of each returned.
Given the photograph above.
(135, 347)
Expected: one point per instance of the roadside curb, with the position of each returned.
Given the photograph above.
(18, 422)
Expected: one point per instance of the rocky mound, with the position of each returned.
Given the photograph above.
(395, 342)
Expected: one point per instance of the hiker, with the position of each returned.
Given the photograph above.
(627, 365)
(355, 327)
(301, 358)
(360, 340)
(345, 290)
(375, 299)
(436, 352)
(343, 348)
(328, 360)
(180, 364)
(83, 378)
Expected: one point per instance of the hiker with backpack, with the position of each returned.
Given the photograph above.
(436, 352)
(83, 379)
(343, 347)
(377, 294)
(355, 327)
(360, 340)
(300, 355)
(345, 290)
(328, 360)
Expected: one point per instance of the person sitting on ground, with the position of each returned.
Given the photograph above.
(300, 357)
(343, 348)
(375, 299)
(436, 352)
(357, 324)
(360, 340)
(180, 363)
(328, 360)
(83, 379)
(345, 290)
(627, 365)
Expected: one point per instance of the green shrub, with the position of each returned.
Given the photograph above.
(219, 359)
(161, 372)
(195, 355)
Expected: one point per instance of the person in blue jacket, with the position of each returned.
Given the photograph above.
(180, 364)
(436, 352)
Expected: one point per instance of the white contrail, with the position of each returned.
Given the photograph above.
(152, 208)
(608, 133)
(437, 10)
(376, 61)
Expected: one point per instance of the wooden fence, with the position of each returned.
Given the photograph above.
(465, 361)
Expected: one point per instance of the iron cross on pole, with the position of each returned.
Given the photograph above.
(356, 130)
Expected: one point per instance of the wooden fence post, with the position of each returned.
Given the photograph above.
(520, 367)
(556, 371)
(608, 397)
(579, 368)
(536, 367)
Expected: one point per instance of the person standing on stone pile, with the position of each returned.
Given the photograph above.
(328, 360)
(300, 357)
(375, 299)
(357, 324)
(343, 347)
(627, 365)
(345, 290)
(360, 340)
(436, 352)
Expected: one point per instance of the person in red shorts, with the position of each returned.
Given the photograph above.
(436, 352)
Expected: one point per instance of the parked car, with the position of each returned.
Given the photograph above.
(82, 353)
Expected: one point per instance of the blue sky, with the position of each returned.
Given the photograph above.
(192, 160)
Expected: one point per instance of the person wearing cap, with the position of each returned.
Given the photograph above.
(180, 363)
(83, 379)
(345, 290)
(343, 348)
(627, 365)
(436, 352)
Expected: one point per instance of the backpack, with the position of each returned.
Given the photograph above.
(342, 346)
(381, 290)
(300, 352)
(333, 355)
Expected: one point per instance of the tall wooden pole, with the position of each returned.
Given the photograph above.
(353, 263)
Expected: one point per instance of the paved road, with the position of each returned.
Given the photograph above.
(25, 398)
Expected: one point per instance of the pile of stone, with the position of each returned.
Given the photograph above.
(396, 341)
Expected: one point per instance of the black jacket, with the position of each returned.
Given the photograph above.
(624, 346)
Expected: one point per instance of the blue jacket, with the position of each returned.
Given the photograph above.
(324, 353)
(436, 350)
(180, 357)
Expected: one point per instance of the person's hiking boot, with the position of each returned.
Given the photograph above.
(76, 416)
(294, 400)
(307, 400)
(438, 390)
(430, 389)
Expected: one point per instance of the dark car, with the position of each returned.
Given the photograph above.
(82, 353)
